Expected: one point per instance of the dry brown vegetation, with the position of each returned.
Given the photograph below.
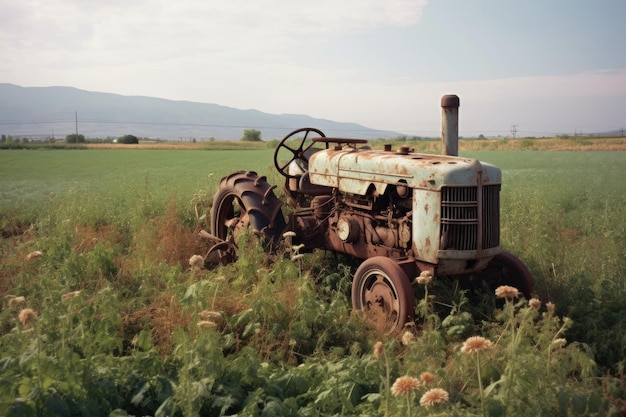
(546, 144)
(468, 144)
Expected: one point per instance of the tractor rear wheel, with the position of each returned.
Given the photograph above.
(383, 291)
(245, 200)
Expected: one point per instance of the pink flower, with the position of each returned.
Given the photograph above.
(476, 344)
(506, 291)
(378, 349)
(405, 385)
(534, 303)
(27, 315)
(427, 377)
(434, 396)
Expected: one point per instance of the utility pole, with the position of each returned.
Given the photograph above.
(76, 119)
(513, 130)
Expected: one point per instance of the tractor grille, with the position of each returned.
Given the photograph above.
(462, 218)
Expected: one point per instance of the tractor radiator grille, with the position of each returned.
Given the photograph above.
(463, 216)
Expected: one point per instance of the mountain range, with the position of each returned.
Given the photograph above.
(42, 112)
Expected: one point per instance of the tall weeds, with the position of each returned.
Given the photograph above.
(126, 326)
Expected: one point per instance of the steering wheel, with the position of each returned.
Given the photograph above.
(294, 148)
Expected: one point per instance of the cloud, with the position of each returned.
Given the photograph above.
(587, 101)
(92, 33)
(285, 56)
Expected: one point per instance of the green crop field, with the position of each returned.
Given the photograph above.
(102, 314)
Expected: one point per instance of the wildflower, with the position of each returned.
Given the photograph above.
(378, 349)
(434, 396)
(506, 291)
(34, 255)
(207, 315)
(405, 385)
(207, 324)
(27, 316)
(427, 377)
(407, 338)
(425, 278)
(558, 343)
(476, 344)
(534, 303)
(196, 261)
(289, 234)
(70, 294)
(296, 257)
(296, 248)
(15, 301)
(550, 307)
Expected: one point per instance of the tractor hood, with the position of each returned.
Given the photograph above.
(356, 170)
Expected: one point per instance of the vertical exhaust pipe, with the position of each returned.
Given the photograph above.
(450, 125)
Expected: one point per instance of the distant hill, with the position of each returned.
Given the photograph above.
(40, 112)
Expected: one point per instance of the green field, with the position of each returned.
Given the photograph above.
(30, 176)
(119, 226)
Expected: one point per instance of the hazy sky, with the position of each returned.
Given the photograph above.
(548, 66)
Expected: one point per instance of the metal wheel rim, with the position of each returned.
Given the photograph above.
(231, 210)
(379, 295)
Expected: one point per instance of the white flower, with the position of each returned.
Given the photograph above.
(407, 338)
(425, 278)
(296, 248)
(34, 255)
(196, 261)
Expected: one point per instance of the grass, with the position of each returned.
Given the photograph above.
(121, 179)
(126, 327)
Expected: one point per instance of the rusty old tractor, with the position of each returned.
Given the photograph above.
(403, 213)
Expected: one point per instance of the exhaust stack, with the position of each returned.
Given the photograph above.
(450, 125)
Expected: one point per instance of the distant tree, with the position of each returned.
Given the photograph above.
(128, 139)
(251, 135)
(74, 138)
(481, 136)
(3, 138)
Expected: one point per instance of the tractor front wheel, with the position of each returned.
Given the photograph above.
(504, 269)
(383, 291)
